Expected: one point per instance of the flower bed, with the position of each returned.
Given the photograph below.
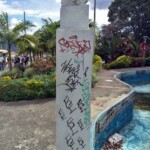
(25, 89)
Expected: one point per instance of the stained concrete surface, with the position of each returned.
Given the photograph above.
(27, 125)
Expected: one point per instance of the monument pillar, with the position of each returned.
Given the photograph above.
(74, 52)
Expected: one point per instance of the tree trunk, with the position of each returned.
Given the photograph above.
(9, 57)
(34, 57)
(52, 52)
(30, 58)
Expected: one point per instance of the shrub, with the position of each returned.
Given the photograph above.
(97, 63)
(33, 84)
(28, 73)
(36, 87)
(6, 78)
(25, 89)
(97, 66)
(46, 66)
(51, 59)
(6, 73)
(13, 90)
(121, 62)
(42, 67)
(137, 62)
(14, 73)
(147, 61)
(96, 58)
(49, 85)
(124, 61)
(94, 79)
(20, 67)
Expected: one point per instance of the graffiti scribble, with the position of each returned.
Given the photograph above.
(72, 72)
(74, 45)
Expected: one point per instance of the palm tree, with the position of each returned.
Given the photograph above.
(47, 35)
(14, 35)
(28, 44)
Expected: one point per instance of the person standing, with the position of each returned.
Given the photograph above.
(1, 63)
(26, 60)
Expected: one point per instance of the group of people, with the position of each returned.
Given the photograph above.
(2, 62)
(23, 60)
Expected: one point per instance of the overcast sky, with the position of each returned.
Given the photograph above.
(37, 9)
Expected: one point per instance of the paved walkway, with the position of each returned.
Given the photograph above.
(107, 91)
(30, 125)
(27, 125)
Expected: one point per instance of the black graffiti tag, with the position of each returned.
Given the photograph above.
(72, 72)
(70, 141)
(71, 125)
(80, 124)
(81, 105)
(70, 69)
(85, 72)
(69, 104)
(62, 114)
(81, 142)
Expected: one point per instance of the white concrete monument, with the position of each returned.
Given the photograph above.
(65, 3)
(74, 52)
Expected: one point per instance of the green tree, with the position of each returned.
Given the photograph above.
(14, 35)
(28, 44)
(109, 38)
(132, 15)
(107, 47)
(47, 36)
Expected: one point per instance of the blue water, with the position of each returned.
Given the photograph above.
(136, 135)
(136, 78)
(142, 88)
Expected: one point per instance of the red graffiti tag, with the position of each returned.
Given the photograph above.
(75, 46)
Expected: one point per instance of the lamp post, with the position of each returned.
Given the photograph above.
(109, 46)
(94, 23)
(94, 15)
(24, 17)
(143, 48)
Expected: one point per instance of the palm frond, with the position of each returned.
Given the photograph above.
(4, 21)
(23, 26)
(47, 21)
(28, 40)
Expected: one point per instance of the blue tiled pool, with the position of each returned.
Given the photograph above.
(132, 124)
(136, 78)
(136, 135)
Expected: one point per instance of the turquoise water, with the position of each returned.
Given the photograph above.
(136, 135)
(142, 88)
